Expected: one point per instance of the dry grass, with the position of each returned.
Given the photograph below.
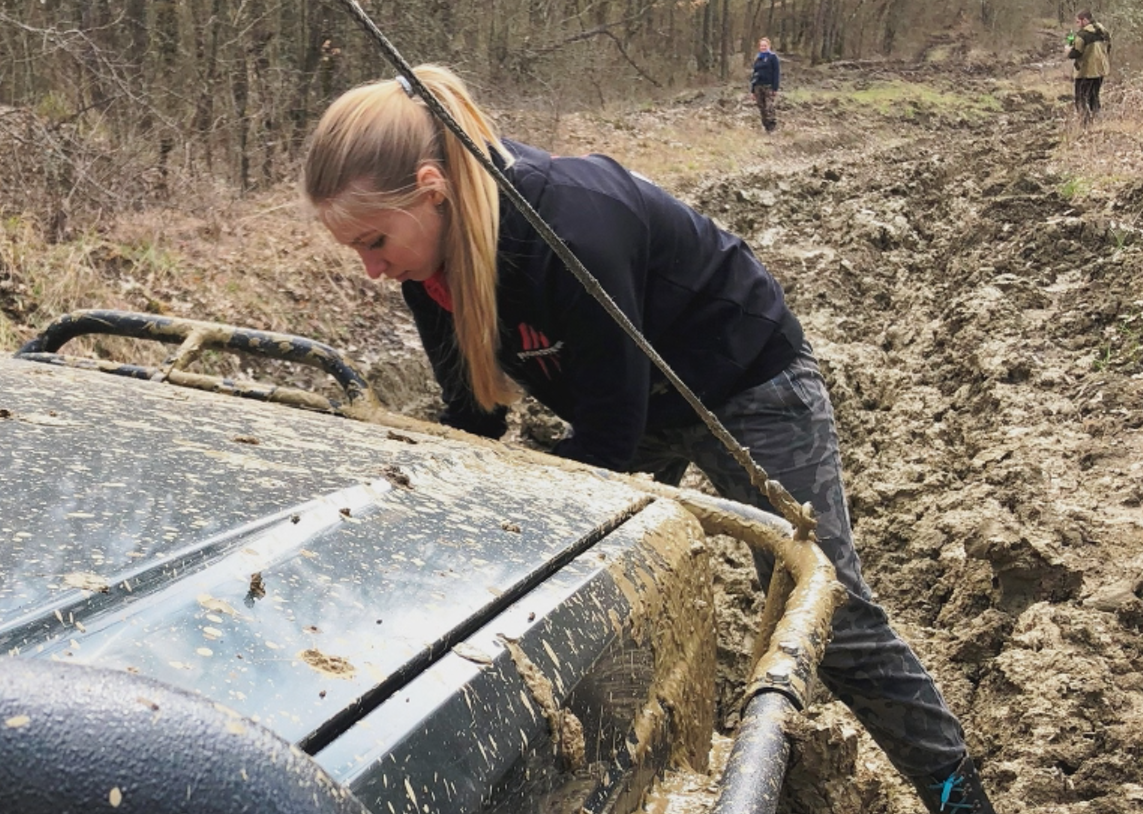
(257, 262)
(699, 133)
(1108, 155)
(10, 337)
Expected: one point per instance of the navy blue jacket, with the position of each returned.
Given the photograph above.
(767, 71)
(697, 293)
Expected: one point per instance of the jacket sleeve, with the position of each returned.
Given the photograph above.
(435, 327)
(1080, 43)
(777, 71)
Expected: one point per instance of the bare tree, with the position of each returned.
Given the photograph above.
(230, 88)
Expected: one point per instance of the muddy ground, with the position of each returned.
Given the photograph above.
(979, 325)
(979, 316)
(979, 328)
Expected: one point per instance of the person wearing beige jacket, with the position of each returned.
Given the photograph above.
(1090, 52)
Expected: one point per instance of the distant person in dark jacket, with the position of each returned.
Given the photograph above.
(1090, 50)
(764, 81)
(499, 314)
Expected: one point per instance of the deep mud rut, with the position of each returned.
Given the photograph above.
(970, 320)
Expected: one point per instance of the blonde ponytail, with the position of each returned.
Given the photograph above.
(365, 154)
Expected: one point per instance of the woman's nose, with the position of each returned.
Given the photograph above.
(374, 265)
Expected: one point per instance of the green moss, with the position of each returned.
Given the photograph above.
(1075, 187)
(53, 107)
(901, 99)
(987, 102)
(149, 258)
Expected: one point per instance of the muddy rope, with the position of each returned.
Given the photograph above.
(800, 516)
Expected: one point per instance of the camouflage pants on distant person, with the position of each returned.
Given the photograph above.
(766, 99)
(787, 424)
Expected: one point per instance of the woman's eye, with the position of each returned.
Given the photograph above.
(378, 243)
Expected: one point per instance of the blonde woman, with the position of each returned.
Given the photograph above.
(498, 315)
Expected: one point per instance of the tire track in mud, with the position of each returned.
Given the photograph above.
(959, 301)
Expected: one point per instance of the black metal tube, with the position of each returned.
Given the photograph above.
(754, 774)
(172, 330)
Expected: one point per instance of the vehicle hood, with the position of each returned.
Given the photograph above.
(291, 565)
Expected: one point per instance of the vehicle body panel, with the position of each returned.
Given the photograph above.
(407, 586)
(586, 632)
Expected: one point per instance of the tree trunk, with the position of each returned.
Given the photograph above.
(724, 43)
(206, 52)
(892, 20)
(260, 37)
(94, 18)
(167, 41)
(703, 56)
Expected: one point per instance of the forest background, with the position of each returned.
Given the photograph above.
(140, 101)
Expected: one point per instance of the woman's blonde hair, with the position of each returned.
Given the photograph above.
(365, 154)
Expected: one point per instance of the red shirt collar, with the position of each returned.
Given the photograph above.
(437, 288)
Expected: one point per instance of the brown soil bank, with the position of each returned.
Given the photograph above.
(981, 329)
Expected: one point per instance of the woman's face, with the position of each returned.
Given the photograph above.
(400, 244)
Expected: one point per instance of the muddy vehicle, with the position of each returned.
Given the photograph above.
(212, 603)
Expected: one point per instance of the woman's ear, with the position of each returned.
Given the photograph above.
(431, 180)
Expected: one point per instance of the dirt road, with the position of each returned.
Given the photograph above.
(981, 329)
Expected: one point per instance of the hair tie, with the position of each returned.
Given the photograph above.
(405, 86)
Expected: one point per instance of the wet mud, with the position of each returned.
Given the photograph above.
(978, 328)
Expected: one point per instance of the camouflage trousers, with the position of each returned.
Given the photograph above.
(787, 424)
(767, 101)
